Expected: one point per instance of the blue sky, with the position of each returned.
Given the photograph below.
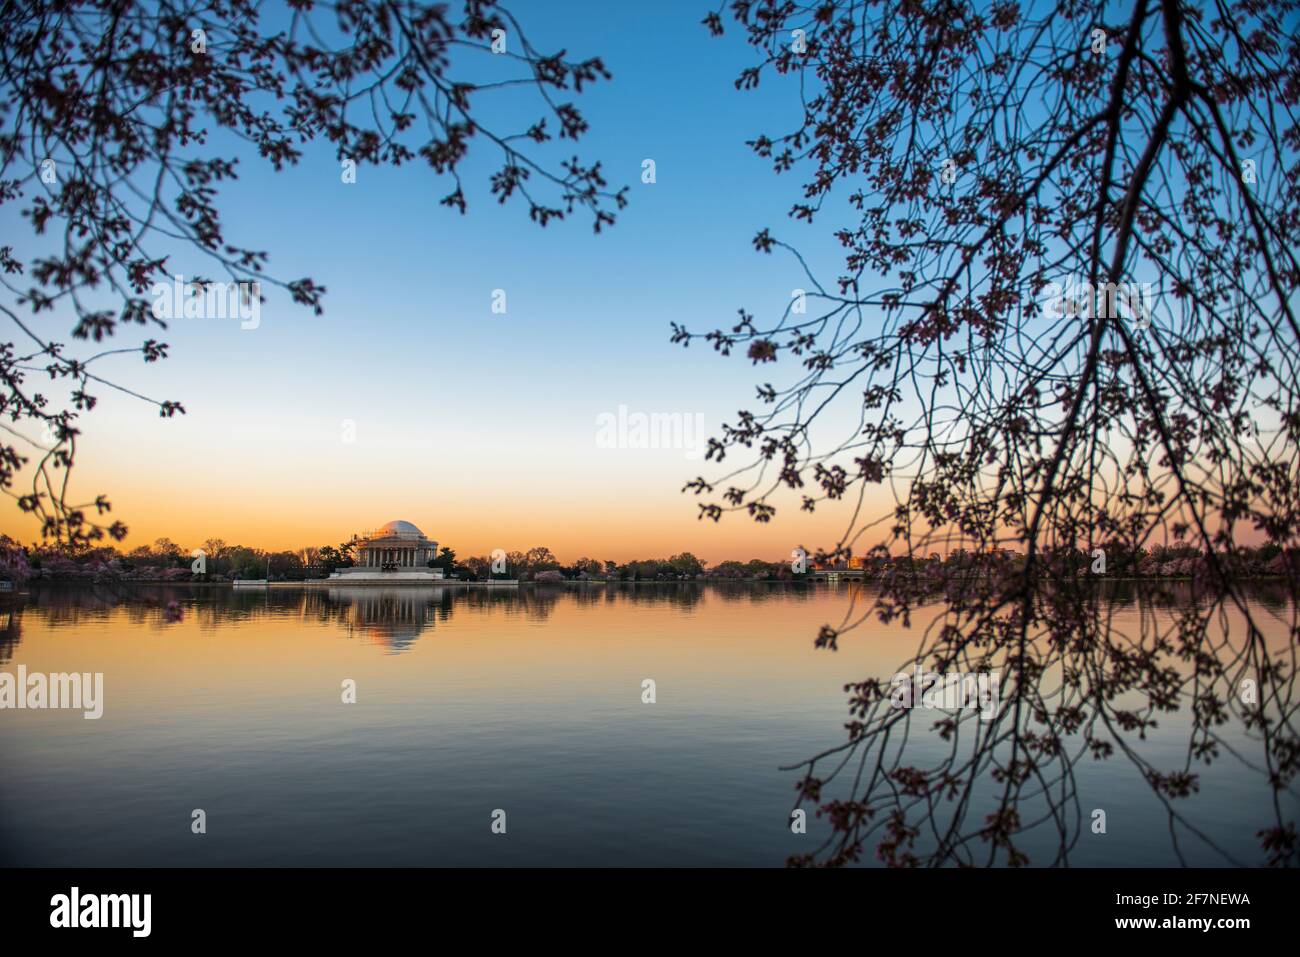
(450, 401)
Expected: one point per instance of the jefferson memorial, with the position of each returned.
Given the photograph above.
(396, 552)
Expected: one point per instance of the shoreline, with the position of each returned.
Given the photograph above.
(454, 582)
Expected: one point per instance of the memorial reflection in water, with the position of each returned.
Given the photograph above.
(394, 617)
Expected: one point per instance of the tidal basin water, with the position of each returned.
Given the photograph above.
(469, 702)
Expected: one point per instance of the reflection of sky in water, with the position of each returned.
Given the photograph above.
(526, 700)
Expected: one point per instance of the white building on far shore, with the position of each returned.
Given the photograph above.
(396, 552)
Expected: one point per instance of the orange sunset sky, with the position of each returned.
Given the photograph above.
(474, 481)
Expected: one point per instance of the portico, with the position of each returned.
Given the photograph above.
(401, 556)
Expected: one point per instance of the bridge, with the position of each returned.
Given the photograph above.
(841, 575)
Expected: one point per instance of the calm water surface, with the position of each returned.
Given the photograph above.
(527, 701)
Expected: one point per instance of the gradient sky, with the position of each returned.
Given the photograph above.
(480, 428)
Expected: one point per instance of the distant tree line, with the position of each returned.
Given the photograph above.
(215, 560)
(1113, 560)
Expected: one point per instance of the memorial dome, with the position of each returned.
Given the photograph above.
(398, 529)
